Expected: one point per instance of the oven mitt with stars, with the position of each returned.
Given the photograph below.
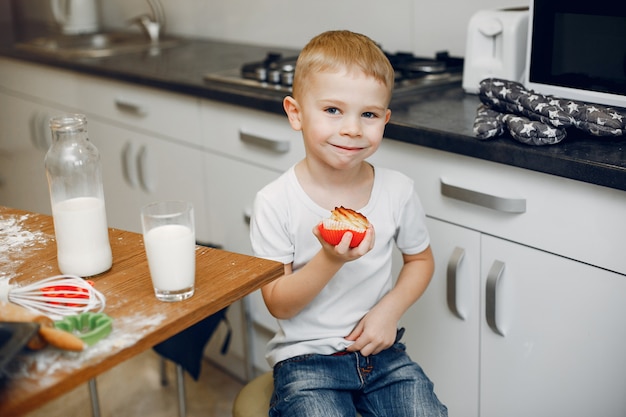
(536, 119)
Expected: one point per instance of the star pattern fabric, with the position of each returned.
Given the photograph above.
(536, 119)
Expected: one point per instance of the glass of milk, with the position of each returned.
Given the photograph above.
(170, 242)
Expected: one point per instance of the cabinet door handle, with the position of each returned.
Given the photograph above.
(247, 215)
(276, 145)
(40, 135)
(454, 263)
(128, 106)
(504, 204)
(492, 308)
(129, 166)
(147, 170)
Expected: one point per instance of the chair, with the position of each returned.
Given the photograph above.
(254, 398)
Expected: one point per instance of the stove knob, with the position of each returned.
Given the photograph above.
(261, 73)
(286, 75)
(273, 76)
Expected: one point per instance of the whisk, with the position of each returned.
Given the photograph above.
(56, 297)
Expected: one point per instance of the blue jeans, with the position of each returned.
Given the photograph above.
(387, 384)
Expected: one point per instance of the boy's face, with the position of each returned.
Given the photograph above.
(342, 116)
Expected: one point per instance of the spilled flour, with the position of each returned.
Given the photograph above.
(43, 367)
(39, 367)
(16, 242)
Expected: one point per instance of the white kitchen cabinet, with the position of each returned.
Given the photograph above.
(148, 141)
(231, 213)
(156, 112)
(259, 138)
(512, 324)
(564, 334)
(29, 96)
(246, 149)
(445, 344)
(574, 219)
(149, 144)
(140, 168)
(24, 141)
(563, 327)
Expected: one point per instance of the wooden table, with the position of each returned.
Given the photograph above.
(28, 253)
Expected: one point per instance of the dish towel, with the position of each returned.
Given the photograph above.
(187, 347)
(537, 119)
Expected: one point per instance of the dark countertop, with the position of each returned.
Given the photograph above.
(440, 119)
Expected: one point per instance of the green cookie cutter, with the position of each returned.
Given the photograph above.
(89, 327)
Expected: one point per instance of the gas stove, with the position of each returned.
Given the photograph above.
(412, 74)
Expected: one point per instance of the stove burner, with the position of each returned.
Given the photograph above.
(275, 72)
(274, 69)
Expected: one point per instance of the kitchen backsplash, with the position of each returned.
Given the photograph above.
(419, 26)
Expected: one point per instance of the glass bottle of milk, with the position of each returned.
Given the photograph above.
(74, 176)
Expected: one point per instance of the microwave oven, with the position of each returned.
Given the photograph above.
(577, 50)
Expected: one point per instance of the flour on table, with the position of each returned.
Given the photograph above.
(16, 243)
(40, 366)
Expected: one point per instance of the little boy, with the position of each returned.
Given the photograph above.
(337, 350)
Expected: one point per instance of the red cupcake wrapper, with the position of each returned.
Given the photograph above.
(333, 236)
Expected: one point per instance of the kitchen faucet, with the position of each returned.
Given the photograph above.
(153, 24)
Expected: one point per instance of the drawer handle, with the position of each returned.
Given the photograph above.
(454, 263)
(492, 309)
(276, 145)
(128, 106)
(504, 204)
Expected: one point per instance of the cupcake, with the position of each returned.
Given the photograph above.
(344, 220)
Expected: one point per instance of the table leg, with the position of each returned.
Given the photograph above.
(164, 380)
(180, 382)
(93, 394)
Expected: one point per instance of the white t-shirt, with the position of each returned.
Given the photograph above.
(281, 230)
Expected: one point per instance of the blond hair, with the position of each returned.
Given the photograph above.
(337, 50)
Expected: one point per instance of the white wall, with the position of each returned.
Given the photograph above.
(419, 26)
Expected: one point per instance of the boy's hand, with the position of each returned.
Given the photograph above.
(342, 250)
(374, 333)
